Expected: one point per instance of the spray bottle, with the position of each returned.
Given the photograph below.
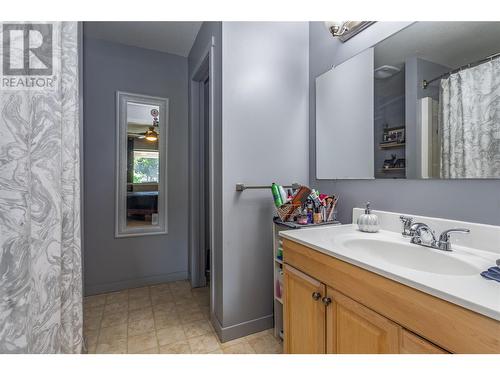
(276, 195)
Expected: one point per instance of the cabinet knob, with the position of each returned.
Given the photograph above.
(316, 296)
(326, 301)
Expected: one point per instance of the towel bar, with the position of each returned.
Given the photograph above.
(241, 187)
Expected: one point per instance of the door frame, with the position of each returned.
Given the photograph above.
(204, 69)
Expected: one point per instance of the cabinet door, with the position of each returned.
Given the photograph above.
(413, 344)
(304, 313)
(355, 329)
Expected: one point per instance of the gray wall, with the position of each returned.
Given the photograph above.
(111, 263)
(265, 139)
(469, 200)
(202, 42)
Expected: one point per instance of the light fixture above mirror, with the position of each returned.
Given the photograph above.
(345, 30)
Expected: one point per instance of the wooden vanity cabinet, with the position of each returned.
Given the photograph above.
(357, 311)
(321, 320)
(355, 329)
(304, 313)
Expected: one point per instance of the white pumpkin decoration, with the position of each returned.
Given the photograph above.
(368, 222)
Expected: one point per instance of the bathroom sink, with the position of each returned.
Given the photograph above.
(410, 256)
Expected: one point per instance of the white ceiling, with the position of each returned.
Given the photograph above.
(447, 43)
(140, 113)
(172, 37)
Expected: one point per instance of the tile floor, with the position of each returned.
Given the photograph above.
(164, 318)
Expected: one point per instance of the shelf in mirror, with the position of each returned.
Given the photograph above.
(392, 169)
(392, 145)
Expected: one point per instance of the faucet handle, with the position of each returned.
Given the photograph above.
(444, 238)
(407, 222)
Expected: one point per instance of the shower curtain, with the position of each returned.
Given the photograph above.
(40, 257)
(469, 103)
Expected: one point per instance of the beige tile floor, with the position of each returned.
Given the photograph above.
(163, 318)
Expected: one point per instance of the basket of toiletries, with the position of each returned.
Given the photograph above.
(304, 206)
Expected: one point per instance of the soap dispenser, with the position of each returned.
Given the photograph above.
(368, 222)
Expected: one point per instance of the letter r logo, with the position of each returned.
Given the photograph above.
(27, 49)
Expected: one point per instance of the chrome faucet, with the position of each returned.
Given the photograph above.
(422, 234)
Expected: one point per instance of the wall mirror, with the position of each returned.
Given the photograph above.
(422, 104)
(141, 165)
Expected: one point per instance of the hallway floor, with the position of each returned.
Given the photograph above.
(165, 318)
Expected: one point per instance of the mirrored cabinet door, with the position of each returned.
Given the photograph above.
(141, 192)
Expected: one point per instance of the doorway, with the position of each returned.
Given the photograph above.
(206, 177)
(206, 251)
(201, 192)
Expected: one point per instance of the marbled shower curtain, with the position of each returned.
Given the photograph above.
(40, 255)
(469, 106)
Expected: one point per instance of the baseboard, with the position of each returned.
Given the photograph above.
(241, 329)
(134, 283)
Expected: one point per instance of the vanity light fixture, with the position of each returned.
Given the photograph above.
(345, 30)
(337, 28)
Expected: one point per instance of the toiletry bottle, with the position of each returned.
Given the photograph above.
(368, 222)
(302, 218)
(310, 212)
(276, 195)
(310, 205)
(282, 194)
(315, 197)
(317, 216)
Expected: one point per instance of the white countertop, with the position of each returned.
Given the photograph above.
(470, 291)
